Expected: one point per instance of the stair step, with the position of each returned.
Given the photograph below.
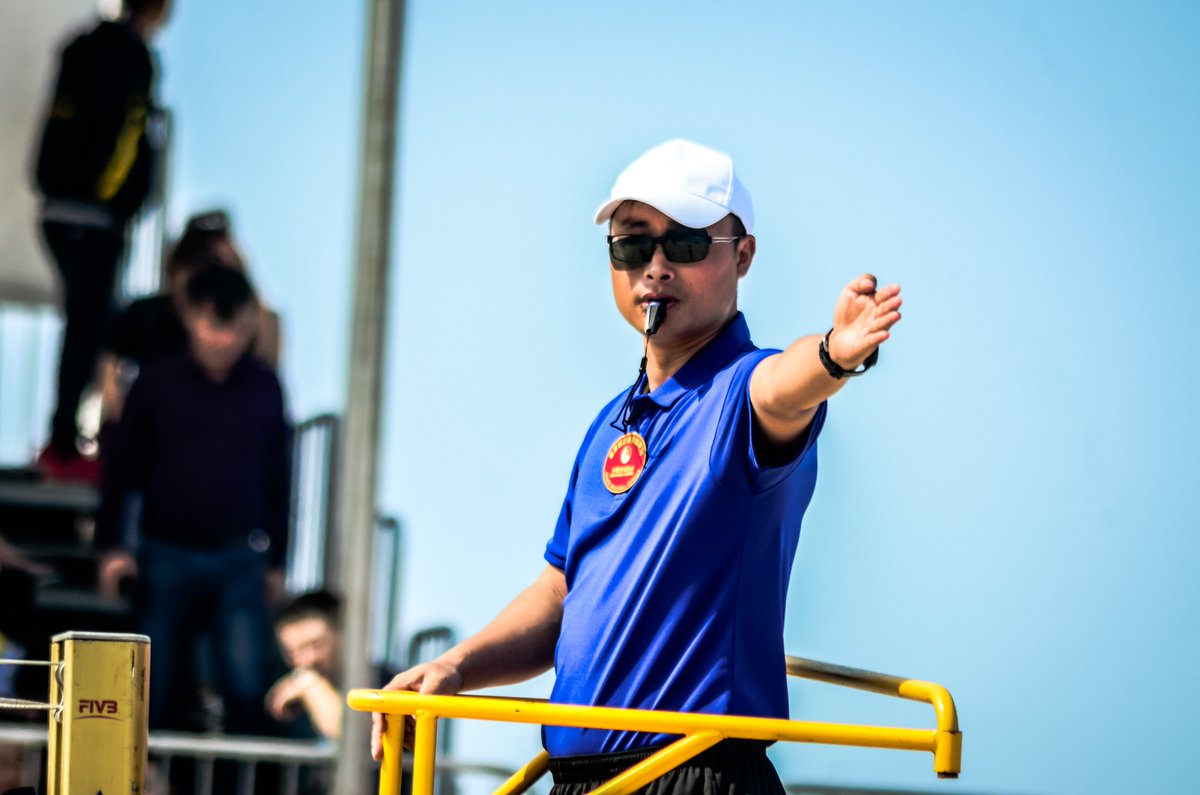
(80, 600)
(78, 497)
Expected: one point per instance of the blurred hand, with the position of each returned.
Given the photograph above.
(13, 558)
(432, 678)
(283, 700)
(115, 566)
(275, 587)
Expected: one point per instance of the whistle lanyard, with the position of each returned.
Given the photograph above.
(625, 414)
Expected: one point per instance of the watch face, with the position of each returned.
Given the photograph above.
(624, 463)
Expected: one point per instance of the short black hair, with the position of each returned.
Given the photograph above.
(228, 291)
(312, 604)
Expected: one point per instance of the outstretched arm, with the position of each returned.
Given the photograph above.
(787, 388)
(517, 645)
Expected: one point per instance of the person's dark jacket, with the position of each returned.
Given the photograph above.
(95, 147)
(211, 459)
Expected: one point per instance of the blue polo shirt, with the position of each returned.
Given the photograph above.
(676, 588)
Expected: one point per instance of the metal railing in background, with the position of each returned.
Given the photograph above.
(386, 581)
(82, 686)
(30, 337)
(316, 537)
(313, 548)
(141, 273)
(302, 765)
(428, 644)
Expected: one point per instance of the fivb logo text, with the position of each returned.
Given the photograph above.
(103, 708)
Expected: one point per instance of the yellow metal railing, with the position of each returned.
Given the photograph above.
(700, 731)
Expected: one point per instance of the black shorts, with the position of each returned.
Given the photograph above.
(731, 767)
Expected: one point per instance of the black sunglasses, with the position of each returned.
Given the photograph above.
(630, 252)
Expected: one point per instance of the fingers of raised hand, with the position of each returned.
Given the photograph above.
(864, 285)
(410, 731)
(888, 293)
(432, 678)
(887, 312)
(377, 726)
(407, 680)
(884, 323)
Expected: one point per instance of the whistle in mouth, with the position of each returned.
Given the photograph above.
(656, 313)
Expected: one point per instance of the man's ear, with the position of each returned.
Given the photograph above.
(745, 254)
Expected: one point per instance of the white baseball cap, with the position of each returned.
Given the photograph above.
(685, 181)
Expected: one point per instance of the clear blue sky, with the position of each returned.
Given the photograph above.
(1006, 504)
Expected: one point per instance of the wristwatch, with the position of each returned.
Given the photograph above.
(835, 369)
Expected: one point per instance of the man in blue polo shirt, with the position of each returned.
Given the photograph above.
(668, 569)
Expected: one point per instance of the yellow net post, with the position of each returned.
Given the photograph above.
(99, 685)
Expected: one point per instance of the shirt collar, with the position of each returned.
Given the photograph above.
(733, 341)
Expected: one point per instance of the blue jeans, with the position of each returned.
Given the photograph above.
(183, 592)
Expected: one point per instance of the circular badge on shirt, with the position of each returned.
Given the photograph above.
(624, 463)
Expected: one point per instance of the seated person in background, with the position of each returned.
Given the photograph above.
(309, 632)
(205, 439)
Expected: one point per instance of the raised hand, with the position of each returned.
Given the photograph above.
(862, 319)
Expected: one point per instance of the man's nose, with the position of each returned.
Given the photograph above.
(659, 268)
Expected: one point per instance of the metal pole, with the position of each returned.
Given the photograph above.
(358, 467)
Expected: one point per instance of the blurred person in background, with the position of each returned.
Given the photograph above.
(152, 326)
(309, 696)
(205, 439)
(310, 699)
(94, 170)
